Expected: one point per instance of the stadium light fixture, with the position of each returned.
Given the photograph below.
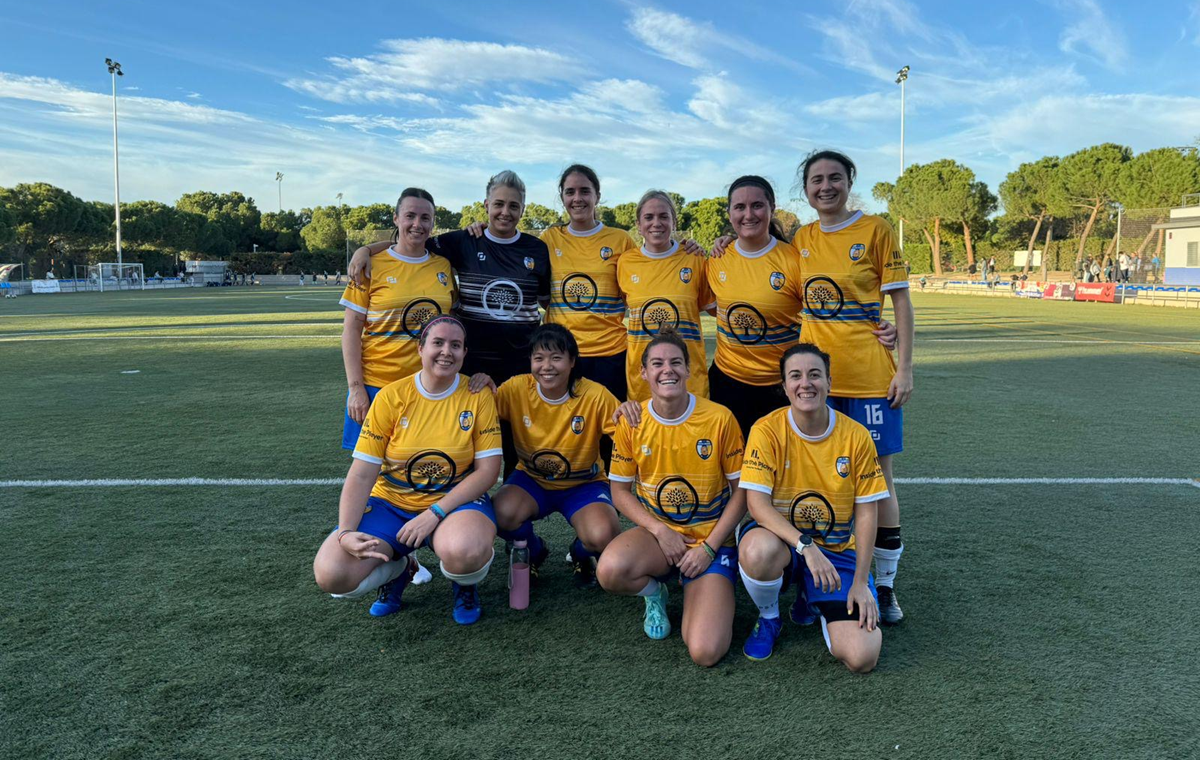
(279, 179)
(901, 78)
(114, 70)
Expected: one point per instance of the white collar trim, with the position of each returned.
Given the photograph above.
(842, 225)
(502, 241)
(586, 233)
(407, 259)
(555, 401)
(669, 252)
(755, 254)
(678, 420)
(435, 396)
(813, 438)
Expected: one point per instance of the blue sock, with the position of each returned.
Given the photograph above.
(578, 550)
(524, 532)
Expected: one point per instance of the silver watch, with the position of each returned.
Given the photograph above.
(803, 543)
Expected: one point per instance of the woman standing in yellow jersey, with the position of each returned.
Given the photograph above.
(428, 452)
(675, 477)
(664, 289)
(557, 419)
(850, 261)
(384, 315)
(813, 485)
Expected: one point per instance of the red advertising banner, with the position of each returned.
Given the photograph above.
(1095, 291)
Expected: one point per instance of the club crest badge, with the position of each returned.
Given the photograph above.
(843, 466)
(528, 422)
(777, 280)
(605, 253)
(804, 252)
(856, 251)
(558, 252)
(704, 448)
(442, 278)
(685, 275)
(577, 424)
(404, 423)
(465, 419)
(529, 263)
(635, 278)
(721, 276)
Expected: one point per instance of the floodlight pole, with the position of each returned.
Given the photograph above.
(279, 182)
(901, 78)
(114, 69)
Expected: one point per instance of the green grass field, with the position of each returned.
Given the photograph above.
(1044, 620)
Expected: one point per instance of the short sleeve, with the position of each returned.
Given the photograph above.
(357, 297)
(486, 434)
(892, 273)
(869, 484)
(449, 246)
(759, 463)
(606, 407)
(705, 298)
(377, 427)
(623, 468)
(733, 448)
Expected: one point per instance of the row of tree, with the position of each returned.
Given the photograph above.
(943, 205)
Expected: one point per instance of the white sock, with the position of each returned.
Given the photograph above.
(470, 579)
(385, 573)
(764, 593)
(651, 588)
(886, 561)
(825, 633)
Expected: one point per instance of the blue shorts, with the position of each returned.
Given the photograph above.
(566, 502)
(350, 428)
(383, 519)
(725, 563)
(844, 562)
(876, 415)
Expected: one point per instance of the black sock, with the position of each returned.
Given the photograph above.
(887, 538)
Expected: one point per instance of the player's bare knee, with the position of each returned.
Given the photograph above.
(706, 653)
(762, 557)
(610, 573)
(857, 659)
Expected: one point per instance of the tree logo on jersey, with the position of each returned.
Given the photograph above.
(605, 253)
(745, 323)
(812, 513)
(659, 314)
(465, 419)
(550, 464)
(777, 280)
(823, 298)
(577, 424)
(502, 299)
(441, 278)
(579, 292)
(843, 466)
(677, 500)
(529, 263)
(685, 275)
(856, 251)
(428, 471)
(704, 448)
(417, 313)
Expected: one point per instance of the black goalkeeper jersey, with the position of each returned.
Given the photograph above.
(499, 284)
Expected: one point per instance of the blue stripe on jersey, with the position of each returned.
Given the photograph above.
(598, 308)
(705, 513)
(782, 339)
(390, 334)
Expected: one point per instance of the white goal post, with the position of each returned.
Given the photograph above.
(110, 276)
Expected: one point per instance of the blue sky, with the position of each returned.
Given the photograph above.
(685, 96)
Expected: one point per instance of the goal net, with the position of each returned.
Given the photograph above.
(109, 276)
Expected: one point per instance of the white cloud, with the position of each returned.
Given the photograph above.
(871, 106)
(408, 69)
(697, 44)
(194, 95)
(1090, 34)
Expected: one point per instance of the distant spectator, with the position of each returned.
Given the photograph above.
(1095, 270)
(1123, 264)
(971, 269)
(907, 268)
(301, 279)
(924, 282)
(991, 265)
(1154, 262)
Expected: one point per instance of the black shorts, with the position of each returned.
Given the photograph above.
(749, 403)
(609, 371)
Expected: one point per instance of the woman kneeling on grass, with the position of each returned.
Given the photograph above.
(813, 485)
(675, 477)
(428, 453)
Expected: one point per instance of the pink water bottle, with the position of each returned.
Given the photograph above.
(518, 576)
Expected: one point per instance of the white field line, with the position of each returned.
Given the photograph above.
(1063, 340)
(331, 336)
(270, 482)
(166, 328)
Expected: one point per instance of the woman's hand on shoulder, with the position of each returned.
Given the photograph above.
(479, 381)
(691, 246)
(719, 246)
(475, 229)
(630, 410)
(360, 267)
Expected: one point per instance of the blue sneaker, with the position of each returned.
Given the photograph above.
(466, 604)
(388, 601)
(762, 639)
(801, 614)
(656, 624)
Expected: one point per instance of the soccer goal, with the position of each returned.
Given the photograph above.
(109, 276)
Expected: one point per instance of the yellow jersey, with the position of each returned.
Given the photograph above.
(814, 481)
(666, 289)
(426, 443)
(584, 297)
(847, 269)
(557, 440)
(681, 468)
(400, 297)
(758, 309)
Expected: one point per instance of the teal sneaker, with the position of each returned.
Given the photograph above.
(466, 604)
(388, 602)
(656, 624)
(762, 639)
